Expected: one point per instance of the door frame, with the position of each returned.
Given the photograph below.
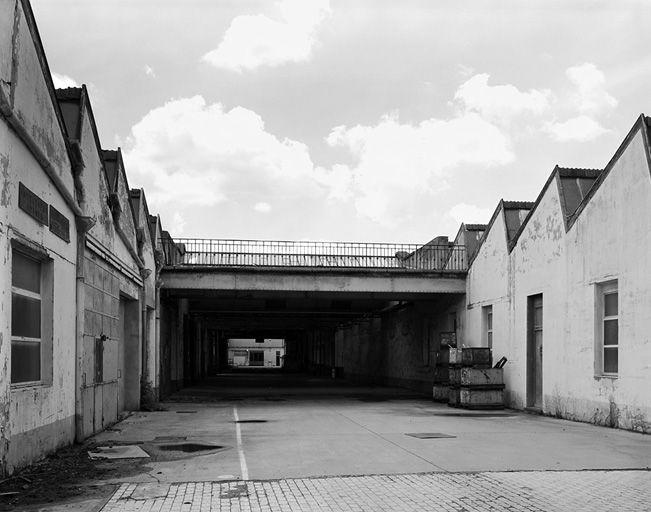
(534, 373)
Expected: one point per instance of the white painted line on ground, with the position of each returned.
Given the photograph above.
(240, 448)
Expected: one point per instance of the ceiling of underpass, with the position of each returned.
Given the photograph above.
(286, 311)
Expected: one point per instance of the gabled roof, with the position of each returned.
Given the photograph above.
(110, 158)
(642, 124)
(70, 104)
(576, 188)
(514, 217)
(574, 185)
(515, 213)
(45, 67)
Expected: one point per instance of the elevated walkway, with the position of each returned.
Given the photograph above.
(398, 271)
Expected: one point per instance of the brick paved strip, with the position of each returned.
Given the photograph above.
(603, 491)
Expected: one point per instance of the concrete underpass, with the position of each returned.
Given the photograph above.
(379, 326)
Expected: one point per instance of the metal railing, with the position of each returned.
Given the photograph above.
(270, 253)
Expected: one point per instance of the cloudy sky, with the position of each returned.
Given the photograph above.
(364, 120)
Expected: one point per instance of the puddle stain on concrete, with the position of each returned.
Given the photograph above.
(235, 492)
(189, 447)
(430, 435)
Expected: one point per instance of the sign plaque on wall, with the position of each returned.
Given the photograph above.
(59, 224)
(32, 205)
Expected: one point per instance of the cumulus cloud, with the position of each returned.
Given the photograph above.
(395, 161)
(257, 40)
(177, 226)
(577, 129)
(63, 81)
(262, 207)
(501, 102)
(191, 152)
(470, 214)
(587, 102)
(590, 96)
(149, 71)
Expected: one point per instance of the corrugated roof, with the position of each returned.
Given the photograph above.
(69, 93)
(518, 205)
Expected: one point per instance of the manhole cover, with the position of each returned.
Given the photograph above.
(430, 435)
(251, 421)
(186, 412)
(271, 399)
(373, 399)
(189, 447)
(232, 399)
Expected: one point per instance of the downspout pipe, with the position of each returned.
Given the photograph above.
(7, 111)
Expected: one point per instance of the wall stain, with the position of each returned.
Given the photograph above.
(5, 194)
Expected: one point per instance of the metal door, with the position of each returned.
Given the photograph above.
(120, 347)
(535, 352)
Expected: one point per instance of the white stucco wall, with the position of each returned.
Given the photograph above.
(35, 419)
(610, 240)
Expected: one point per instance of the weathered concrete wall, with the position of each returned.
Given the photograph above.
(312, 280)
(109, 274)
(173, 314)
(400, 347)
(610, 240)
(36, 418)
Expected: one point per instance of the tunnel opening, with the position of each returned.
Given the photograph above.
(276, 345)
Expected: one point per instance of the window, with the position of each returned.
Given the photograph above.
(488, 325)
(26, 325)
(256, 358)
(608, 329)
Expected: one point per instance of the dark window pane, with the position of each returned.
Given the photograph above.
(490, 340)
(256, 358)
(610, 304)
(25, 361)
(489, 319)
(537, 316)
(610, 359)
(25, 273)
(25, 316)
(611, 334)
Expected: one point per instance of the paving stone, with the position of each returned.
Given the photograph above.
(531, 491)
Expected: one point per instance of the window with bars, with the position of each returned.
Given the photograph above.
(26, 322)
(488, 325)
(608, 329)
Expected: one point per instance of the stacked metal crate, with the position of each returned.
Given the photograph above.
(473, 383)
(441, 383)
(441, 388)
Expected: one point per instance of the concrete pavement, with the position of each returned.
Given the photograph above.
(305, 443)
(329, 430)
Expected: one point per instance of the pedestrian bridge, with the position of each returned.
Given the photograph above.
(398, 271)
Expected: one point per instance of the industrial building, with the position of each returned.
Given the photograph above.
(104, 312)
